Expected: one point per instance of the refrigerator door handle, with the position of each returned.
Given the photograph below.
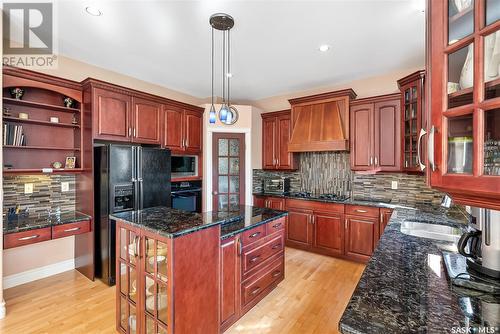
(134, 176)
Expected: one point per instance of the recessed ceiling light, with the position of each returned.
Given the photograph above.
(93, 11)
(229, 75)
(324, 48)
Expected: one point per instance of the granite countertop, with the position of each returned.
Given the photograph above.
(405, 289)
(31, 222)
(172, 223)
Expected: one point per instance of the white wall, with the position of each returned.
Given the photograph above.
(245, 124)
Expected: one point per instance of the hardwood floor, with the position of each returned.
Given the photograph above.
(311, 299)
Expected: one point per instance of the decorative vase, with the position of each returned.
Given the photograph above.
(492, 56)
(17, 93)
(68, 102)
(462, 4)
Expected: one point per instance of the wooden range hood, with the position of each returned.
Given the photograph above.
(321, 122)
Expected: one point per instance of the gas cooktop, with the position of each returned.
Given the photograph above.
(331, 197)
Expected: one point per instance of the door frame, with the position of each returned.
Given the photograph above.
(215, 147)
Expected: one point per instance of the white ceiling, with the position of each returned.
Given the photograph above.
(274, 43)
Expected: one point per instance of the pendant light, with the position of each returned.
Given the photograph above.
(228, 114)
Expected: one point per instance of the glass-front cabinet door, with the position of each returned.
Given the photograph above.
(464, 133)
(127, 281)
(413, 121)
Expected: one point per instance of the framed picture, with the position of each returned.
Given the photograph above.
(70, 162)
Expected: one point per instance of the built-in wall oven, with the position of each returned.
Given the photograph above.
(186, 196)
(184, 166)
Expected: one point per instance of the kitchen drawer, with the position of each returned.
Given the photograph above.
(256, 286)
(26, 238)
(276, 225)
(253, 235)
(360, 210)
(65, 230)
(256, 256)
(314, 205)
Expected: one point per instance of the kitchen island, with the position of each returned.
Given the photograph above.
(183, 272)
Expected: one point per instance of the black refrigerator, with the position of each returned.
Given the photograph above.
(126, 178)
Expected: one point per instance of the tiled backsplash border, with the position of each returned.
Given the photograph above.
(329, 172)
(46, 194)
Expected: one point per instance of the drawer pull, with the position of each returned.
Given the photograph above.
(276, 246)
(72, 229)
(29, 238)
(277, 225)
(256, 234)
(361, 211)
(255, 290)
(277, 273)
(254, 259)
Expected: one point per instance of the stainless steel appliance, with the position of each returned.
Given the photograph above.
(184, 165)
(126, 178)
(279, 185)
(186, 196)
(481, 243)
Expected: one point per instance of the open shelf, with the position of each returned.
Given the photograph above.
(460, 92)
(26, 103)
(34, 121)
(42, 148)
(40, 171)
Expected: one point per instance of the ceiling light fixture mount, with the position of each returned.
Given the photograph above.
(324, 47)
(228, 114)
(93, 11)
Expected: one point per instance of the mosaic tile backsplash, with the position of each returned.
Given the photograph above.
(46, 194)
(329, 172)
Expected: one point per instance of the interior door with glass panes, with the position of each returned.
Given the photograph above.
(464, 138)
(228, 171)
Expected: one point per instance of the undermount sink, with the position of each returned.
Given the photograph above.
(431, 231)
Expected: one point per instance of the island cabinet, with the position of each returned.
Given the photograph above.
(464, 87)
(252, 265)
(276, 134)
(376, 134)
(167, 285)
(182, 129)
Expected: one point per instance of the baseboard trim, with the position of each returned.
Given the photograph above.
(37, 273)
(2, 309)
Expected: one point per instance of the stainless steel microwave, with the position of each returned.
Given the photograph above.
(184, 165)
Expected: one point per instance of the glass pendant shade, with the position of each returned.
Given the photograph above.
(229, 118)
(212, 115)
(223, 113)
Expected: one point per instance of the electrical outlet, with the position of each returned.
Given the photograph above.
(64, 186)
(394, 185)
(28, 188)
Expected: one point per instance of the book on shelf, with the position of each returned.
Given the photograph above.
(13, 135)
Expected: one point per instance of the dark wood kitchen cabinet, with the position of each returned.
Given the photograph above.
(146, 121)
(111, 114)
(252, 265)
(152, 296)
(230, 281)
(413, 122)
(385, 216)
(361, 237)
(375, 134)
(315, 226)
(328, 233)
(120, 114)
(276, 134)
(182, 129)
(464, 88)
(276, 203)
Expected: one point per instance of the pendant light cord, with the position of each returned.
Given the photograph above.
(223, 67)
(228, 66)
(212, 67)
